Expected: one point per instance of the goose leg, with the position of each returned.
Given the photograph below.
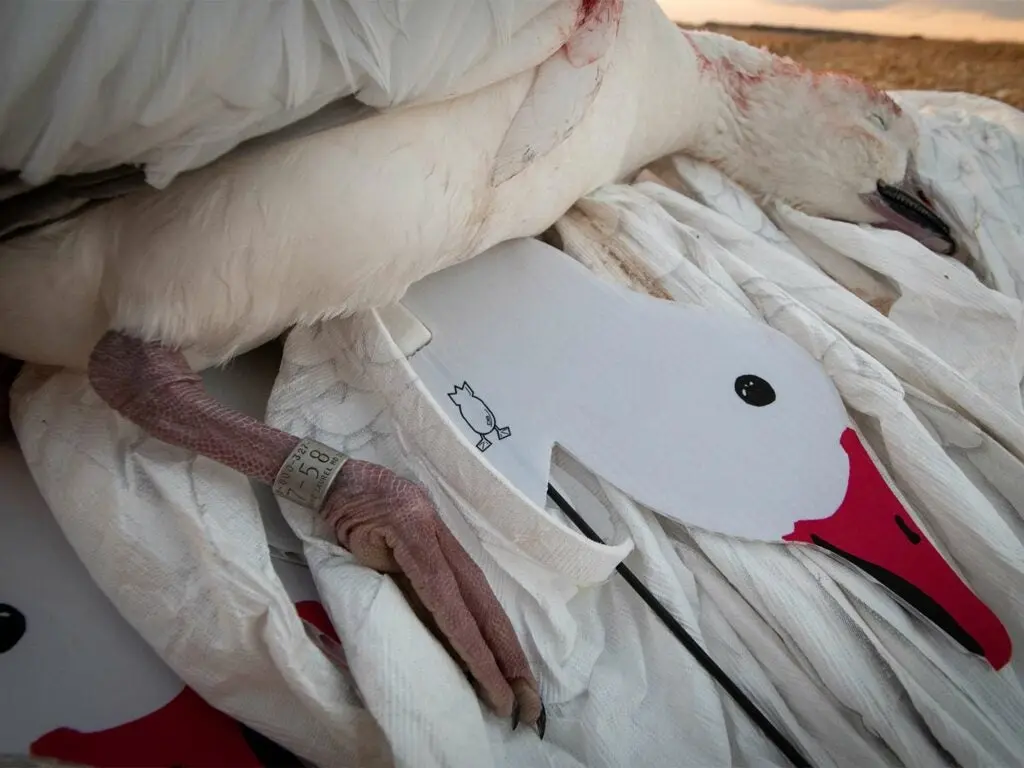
(387, 522)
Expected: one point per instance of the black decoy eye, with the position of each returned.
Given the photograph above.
(12, 627)
(753, 390)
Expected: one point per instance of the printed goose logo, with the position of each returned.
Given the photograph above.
(478, 415)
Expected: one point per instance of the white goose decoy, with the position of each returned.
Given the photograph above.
(104, 698)
(757, 447)
(448, 128)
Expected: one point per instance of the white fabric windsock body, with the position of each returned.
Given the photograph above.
(924, 363)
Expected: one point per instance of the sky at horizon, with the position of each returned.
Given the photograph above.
(958, 19)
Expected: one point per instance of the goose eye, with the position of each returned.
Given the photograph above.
(755, 391)
(879, 121)
(12, 627)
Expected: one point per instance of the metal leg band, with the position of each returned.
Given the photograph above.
(308, 473)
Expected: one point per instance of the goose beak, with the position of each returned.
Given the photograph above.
(873, 531)
(905, 208)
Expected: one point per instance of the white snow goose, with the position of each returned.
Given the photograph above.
(380, 142)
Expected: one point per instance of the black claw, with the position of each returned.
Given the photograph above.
(542, 722)
(515, 716)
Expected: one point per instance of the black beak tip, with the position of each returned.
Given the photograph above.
(922, 602)
(916, 208)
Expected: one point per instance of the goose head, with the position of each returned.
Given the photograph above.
(830, 146)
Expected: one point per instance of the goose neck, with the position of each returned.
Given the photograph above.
(696, 95)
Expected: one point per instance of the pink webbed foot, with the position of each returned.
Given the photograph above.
(391, 525)
(388, 523)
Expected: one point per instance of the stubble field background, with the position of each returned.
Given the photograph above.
(995, 70)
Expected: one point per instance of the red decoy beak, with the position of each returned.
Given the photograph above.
(873, 531)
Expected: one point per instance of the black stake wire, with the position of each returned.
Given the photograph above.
(760, 720)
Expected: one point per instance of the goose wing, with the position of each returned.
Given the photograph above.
(170, 85)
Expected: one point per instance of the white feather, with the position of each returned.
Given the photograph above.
(565, 86)
(176, 83)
